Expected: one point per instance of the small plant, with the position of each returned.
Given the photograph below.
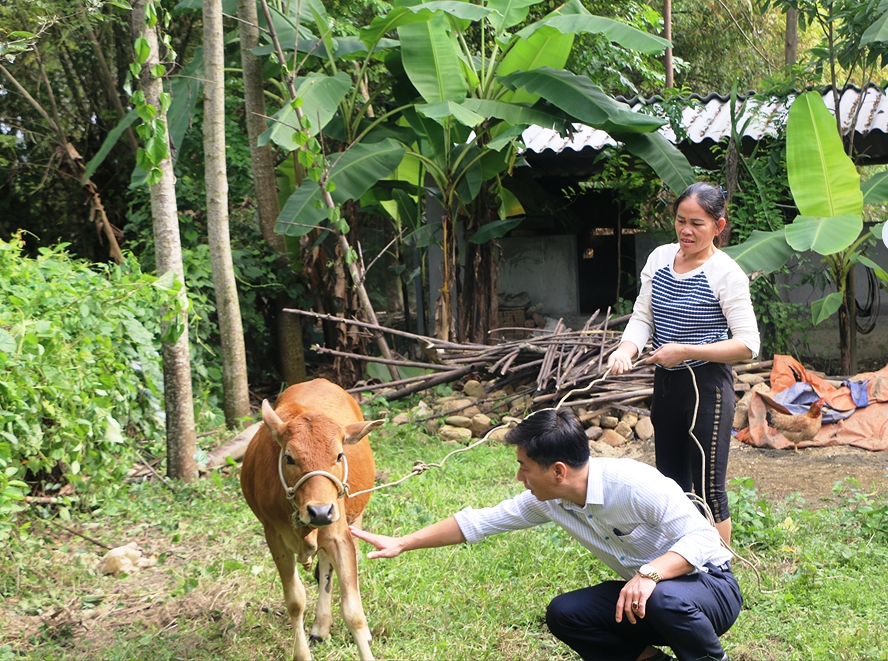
(754, 521)
(865, 509)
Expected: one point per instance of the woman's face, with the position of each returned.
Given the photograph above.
(694, 228)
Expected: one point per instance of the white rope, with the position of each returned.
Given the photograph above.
(341, 485)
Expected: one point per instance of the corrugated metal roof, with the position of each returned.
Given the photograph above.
(709, 118)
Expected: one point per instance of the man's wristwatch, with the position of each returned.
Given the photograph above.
(648, 571)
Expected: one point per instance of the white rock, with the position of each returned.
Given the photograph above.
(644, 428)
(127, 559)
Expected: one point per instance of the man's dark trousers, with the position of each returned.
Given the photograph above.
(687, 613)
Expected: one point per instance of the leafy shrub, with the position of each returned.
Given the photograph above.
(81, 374)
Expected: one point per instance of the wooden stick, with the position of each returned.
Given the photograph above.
(752, 367)
(389, 384)
(81, 535)
(430, 341)
(438, 379)
(377, 359)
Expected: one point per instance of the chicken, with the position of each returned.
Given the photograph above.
(798, 428)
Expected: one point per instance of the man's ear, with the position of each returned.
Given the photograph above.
(560, 469)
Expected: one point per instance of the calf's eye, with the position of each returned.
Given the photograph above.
(290, 460)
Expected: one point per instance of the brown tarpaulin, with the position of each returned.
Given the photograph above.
(867, 427)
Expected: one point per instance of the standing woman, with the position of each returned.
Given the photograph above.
(692, 294)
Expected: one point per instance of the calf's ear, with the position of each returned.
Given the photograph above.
(358, 430)
(272, 421)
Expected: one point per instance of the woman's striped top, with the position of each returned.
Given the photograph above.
(698, 307)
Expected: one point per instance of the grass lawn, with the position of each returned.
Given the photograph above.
(214, 592)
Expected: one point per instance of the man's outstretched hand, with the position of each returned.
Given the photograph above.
(387, 547)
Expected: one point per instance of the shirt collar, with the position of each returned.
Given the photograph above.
(594, 488)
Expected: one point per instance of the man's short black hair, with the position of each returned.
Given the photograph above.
(552, 435)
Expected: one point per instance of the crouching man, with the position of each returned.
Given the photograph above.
(676, 584)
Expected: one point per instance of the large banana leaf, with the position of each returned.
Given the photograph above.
(465, 11)
(320, 96)
(286, 26)
(580, 98)
(875, 189)
(516, 114)
(495, 229)
(511, 12)
(543, 49)
(822, 178)
(655, 150)
(441, 111)
(431, 60)
(431, 135)
(620, 33)
(353, 173)
(396, 18)
(762, 251)
(825, 236)
(471, 174)
(826, 307)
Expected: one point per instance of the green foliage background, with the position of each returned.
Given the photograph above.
(81, 391)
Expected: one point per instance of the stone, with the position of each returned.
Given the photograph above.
(644, 428)
(601, 449)
(623, 429)
(474, 389)
(512, 420)
(499, 434)
(456, 403)
(593, 433)
(750, 379)
(609, 421)
(432, 426)
(400, 419)
(480, 424)
(470, 412)
(458, 421)
(450, 434)
(629, 418)
(612, 438)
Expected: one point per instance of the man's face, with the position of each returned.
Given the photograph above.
(535, 478)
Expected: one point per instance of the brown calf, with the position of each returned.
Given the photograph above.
(311, 450)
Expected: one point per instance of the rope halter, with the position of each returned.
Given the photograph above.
(342, 485)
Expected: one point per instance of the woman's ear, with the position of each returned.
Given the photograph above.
(720, 224)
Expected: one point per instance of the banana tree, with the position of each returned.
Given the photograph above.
(828, 194)
(468, 87)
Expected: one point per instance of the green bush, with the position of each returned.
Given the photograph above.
(81, 386)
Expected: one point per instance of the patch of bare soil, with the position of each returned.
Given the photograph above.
(811, 472)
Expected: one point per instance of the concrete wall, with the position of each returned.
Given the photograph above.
(545, 268)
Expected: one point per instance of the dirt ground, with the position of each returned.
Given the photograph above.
(812, 472)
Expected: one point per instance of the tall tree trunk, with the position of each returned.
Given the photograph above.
(181, 439)
(791, 43)
(236, 396)
(667, 35)
(478, 304)
(291, 356)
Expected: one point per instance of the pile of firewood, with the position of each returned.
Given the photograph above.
(547, 368)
